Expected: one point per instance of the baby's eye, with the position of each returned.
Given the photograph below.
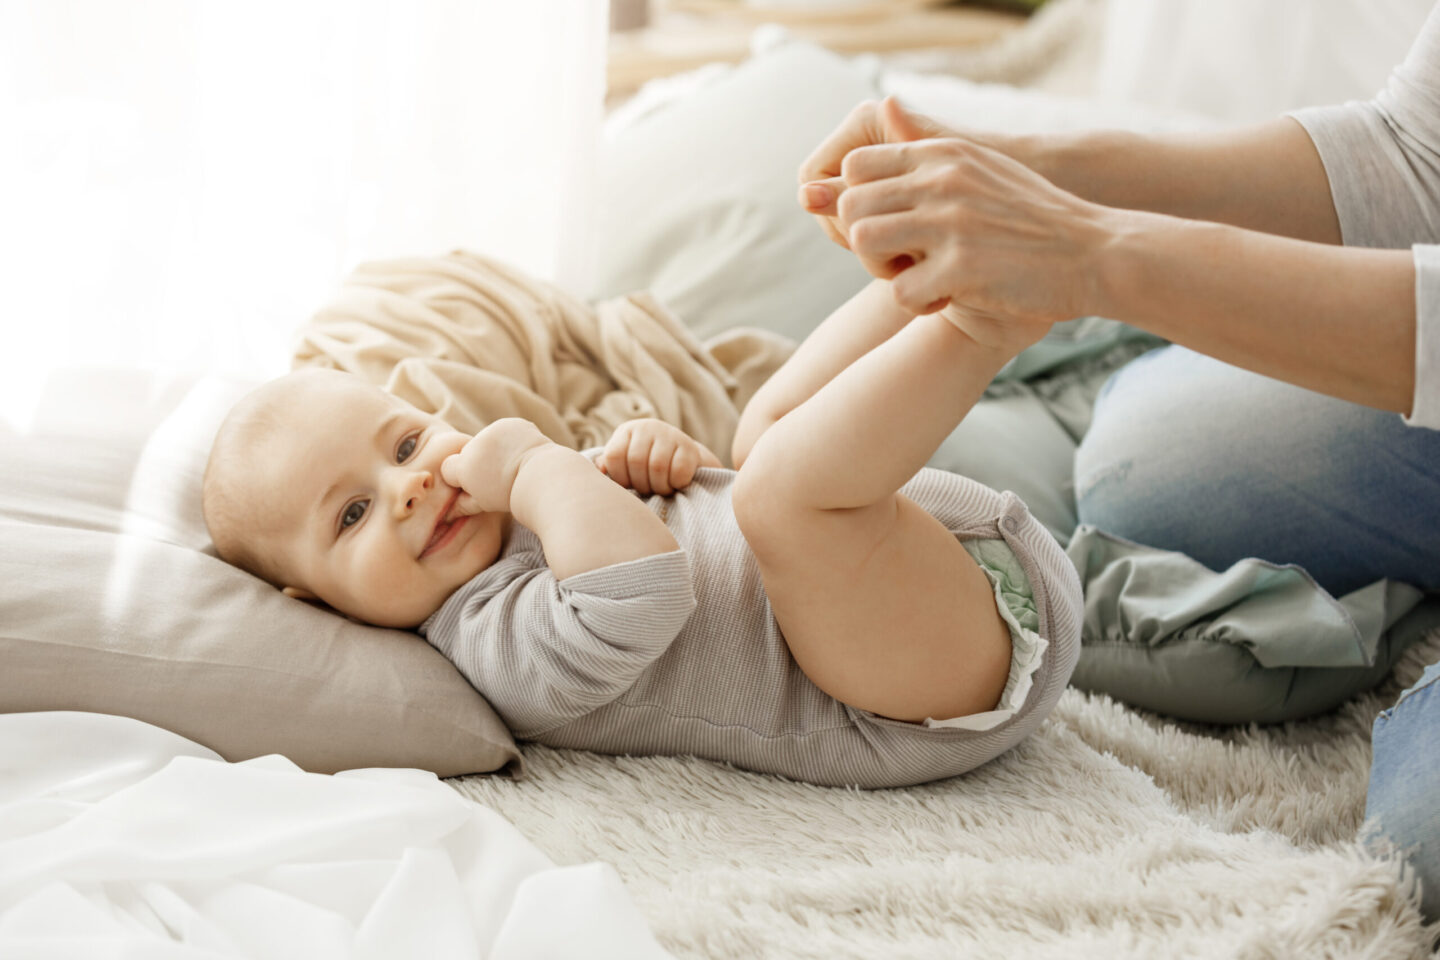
(404, 452)
(352, 514)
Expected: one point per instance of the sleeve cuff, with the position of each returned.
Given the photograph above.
(632, 577)
(1425, 407)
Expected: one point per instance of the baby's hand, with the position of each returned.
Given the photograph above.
(651, 456)
(485, 468)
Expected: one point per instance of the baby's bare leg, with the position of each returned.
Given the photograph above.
(880, 605)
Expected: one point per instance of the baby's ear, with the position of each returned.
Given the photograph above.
(300, 593)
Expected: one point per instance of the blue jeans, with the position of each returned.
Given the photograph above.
(1404, 797)
(1187, 453)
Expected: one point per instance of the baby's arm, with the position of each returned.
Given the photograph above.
(545, 651)
(859, 325)
(583, 520)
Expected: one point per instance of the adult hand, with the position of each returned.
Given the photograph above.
(982, 230)
(868, 124)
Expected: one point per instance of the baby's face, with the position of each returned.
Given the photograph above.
(364, 511)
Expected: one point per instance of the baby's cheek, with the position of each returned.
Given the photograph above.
(374, 574)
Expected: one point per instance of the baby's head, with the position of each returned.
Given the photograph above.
(329, 488)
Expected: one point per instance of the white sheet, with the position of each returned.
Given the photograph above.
(120, 839)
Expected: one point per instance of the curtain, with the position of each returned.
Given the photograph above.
(1244, 61)
(182, 182)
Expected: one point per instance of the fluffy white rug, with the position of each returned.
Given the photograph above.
(1111, 833)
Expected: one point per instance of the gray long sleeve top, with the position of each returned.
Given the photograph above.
(1383, 160)
(679, 653)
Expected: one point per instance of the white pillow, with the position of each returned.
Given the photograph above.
(697, 197)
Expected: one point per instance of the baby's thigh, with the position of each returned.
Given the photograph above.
(883, 609)
(1190, 454)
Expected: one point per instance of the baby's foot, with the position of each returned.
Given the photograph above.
(1005, 334)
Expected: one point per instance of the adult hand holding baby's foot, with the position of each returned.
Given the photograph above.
(951, 217)
(823, 183)
(486, 467)
(871, 122)
(979, 229)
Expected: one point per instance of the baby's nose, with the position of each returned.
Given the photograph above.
(426, 482)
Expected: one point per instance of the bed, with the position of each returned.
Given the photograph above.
(344, 784)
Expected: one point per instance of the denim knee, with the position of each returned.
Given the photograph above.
(1403, 803)
(1187, 453)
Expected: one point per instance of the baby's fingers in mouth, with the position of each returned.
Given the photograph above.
(465, 505)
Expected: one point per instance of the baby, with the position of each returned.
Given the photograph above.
(830, 611)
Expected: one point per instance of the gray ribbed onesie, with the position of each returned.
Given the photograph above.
(679, 653)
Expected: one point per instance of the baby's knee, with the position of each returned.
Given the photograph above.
(760, 506)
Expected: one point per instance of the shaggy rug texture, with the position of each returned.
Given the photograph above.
(1110, 833)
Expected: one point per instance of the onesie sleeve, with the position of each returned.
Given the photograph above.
(1382, 158)
(546, 651)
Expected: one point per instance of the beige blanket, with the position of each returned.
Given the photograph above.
(472, 340)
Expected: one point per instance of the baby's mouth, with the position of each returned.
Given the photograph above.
(443, 523)
(439, 535)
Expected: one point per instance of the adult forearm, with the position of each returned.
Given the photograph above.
(584, 519)
(1267, 177)
(1337, 320)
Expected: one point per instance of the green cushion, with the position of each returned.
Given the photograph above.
(1257, 643)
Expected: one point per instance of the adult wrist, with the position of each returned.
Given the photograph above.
(1122, 264)
(1036, 151)
(1082, 163)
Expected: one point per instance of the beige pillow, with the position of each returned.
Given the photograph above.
(112, 601)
